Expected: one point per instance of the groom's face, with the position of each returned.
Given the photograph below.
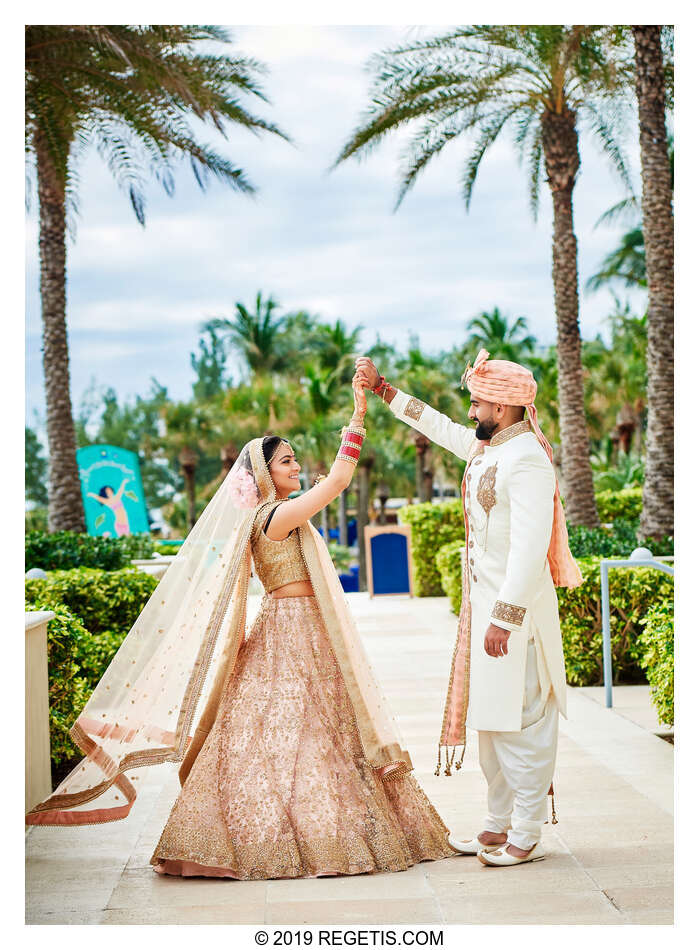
(484, 414)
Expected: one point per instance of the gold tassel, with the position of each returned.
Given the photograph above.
(439, 759)
(463, 753)
(554, 820)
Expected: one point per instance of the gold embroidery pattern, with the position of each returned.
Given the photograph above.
(511, 431)
(509, 612)
(414, 408)
(281, 787)
(486, 489)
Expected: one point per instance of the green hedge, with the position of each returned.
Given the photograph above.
(103, 600)
(449, 567)
(617, 541)
(622, 503)
(432, 526)
(63, 550)
(94, 612)
(634, 594)
(657, 643)
(67, 639)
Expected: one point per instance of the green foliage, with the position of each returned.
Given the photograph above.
(432, 526)
(36, 520)
(625, 503)
(449, 567)
(35, 469)
(618, 541)
(67, 638)
(657, 644)
(63, 550)
(341, 556)
(103, 600)
(632, 594)
(210, 366)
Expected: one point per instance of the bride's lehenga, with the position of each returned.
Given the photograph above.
(281, 787)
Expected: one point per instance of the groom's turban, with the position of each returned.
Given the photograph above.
(510, 384)
(500, 381)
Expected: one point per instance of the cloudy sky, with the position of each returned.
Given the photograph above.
(323, 241)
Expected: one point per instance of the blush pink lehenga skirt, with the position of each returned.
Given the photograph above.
(280, 788)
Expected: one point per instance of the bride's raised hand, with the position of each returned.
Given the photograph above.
(360, 406)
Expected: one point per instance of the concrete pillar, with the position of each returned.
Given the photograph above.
(37, 748)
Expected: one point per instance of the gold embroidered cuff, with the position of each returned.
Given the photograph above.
(414, 409)
(509, 612)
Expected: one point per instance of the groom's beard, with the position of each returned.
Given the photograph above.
(484, 430)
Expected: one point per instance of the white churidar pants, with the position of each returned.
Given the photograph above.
(518, 766)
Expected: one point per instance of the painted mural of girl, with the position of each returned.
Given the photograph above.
(112, 500)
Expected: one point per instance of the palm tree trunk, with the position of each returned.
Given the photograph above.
(188, 461)
(657, 516)
(66, 511)
(325, 524)
(342, 517)
(560, 146)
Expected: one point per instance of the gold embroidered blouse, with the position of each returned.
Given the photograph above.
(277, 562)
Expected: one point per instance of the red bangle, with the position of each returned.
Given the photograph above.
(379, 386)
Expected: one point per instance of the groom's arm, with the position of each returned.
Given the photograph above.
(438, 427)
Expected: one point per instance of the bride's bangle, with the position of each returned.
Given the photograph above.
(351, 445)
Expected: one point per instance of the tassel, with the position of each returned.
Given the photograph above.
(439, 760)
(554, 819)
(463, 753)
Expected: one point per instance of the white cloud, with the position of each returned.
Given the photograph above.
(326, 242)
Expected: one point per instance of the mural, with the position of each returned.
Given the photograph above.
(110, 481)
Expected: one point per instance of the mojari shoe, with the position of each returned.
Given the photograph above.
(501, 859)
(472, 845)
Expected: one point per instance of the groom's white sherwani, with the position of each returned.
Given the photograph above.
(508, 496)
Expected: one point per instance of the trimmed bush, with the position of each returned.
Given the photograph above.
(657, 643)
(432, 526)
(617, 541)
(624, 503)
(103, 600)
(63, 550)
(449, 567)
(68, 690)
(633, 592)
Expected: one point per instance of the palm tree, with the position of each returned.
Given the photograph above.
(625, 264)
(129, 90)
(539, 79)
(657, 516)
(503, 340)
(254, 334)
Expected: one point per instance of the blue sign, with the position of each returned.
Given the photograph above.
(110, 481)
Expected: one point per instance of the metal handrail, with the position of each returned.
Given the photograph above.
(605, 565)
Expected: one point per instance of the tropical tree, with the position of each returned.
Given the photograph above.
(35, 469)
(129, 91)
(540, 80)
(493, 331)
(626, 264)
(210, 366)
(254, 334)
(657, 517)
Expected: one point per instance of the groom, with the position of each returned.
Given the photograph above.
(508, 674)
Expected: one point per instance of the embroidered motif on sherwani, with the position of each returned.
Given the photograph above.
(509, 612)
(414, 408)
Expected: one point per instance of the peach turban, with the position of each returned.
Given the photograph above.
(510, 384)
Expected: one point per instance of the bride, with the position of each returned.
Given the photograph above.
(295, 767)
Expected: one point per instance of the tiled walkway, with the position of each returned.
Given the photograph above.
(610, 857)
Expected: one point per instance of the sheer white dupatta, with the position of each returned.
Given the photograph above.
(143, 708)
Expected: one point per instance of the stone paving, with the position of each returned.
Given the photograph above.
(609, 859)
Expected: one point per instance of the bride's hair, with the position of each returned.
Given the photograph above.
(270, 444)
